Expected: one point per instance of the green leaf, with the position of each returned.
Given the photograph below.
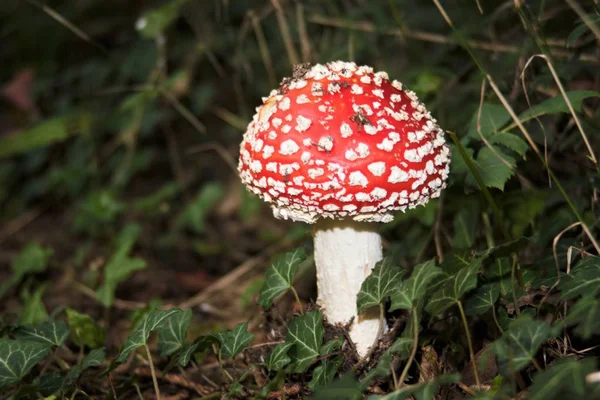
(586, 315)
(520, 342)
(201, 344)
(492, 117)
(584, 279)
(235, 340)
(17, 358)
(34, 310)
(451, 289)
(382, 282)
(154, 320)
(407, 295)
(279, 358)
(93, 359)
(556, 105)
(381, 370)
(493, 170)
(154, 22)
(420, 391)
(49, 332)
(465, 226)
(195, 213)
(325, 372)
(482, 299)
(171, 336)
(120, 266)
(306, 333)
(402, 346)
(581, 29)
(345, 388)
(43, 134)
(332, 345)
(85, 330)
(511, 141)
(280, 276)
(32, 259)
(564, 380)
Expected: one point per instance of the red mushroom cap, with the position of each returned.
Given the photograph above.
(340, 141)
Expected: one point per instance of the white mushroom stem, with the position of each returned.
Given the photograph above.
(345, 254)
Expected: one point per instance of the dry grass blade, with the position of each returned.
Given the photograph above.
(566, 98)
(263, 48)
(302, 32)
(285, 33)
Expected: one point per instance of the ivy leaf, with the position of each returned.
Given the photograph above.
(451, 289)
(120, 266)
(234, 341)
(586, 315)
(381, 370)
(414, 288)
(34, 310)
(188, 350)
(325, 372)
(402, 346)
(331, 346)
(93, 359)
(382, 282)
(520, 342)
(564, 380)
(422, 391)
(482, 299)
(465, 226)
(17, 358)
(85, 330)
(279, 357)
(280, 276)
(306, 333)
(32, 259)
(584, 279)
(49, 332)
(171, 336)
(154, 320)
(345, 388)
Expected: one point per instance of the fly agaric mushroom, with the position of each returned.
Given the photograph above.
(342, 147)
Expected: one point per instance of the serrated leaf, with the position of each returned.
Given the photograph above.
(555, 105)
(520, 342)
(382, 282)
(482, 299)
(279, 358)
(584, 279)
(564, 380)
(280, 276)
(586, 315)
(409, 292)
(513, 142)
(325, 372)
(331, 346)
(306, 333)
(49, 332)
(154, 320)
(171, 336)
(17, 358)
(453, 287)
(493, 170)
(85, 330)
(491, 117)
(234, 341)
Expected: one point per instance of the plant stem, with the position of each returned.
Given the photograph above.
(495, 316)
(222, 368)
(152, 371)
(297, 299)
(415, 321)
(469, 343)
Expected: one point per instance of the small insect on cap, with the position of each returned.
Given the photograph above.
(342, 141)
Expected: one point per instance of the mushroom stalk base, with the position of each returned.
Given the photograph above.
(345, 254)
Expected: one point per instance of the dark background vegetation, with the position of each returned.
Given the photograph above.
(120, 123)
